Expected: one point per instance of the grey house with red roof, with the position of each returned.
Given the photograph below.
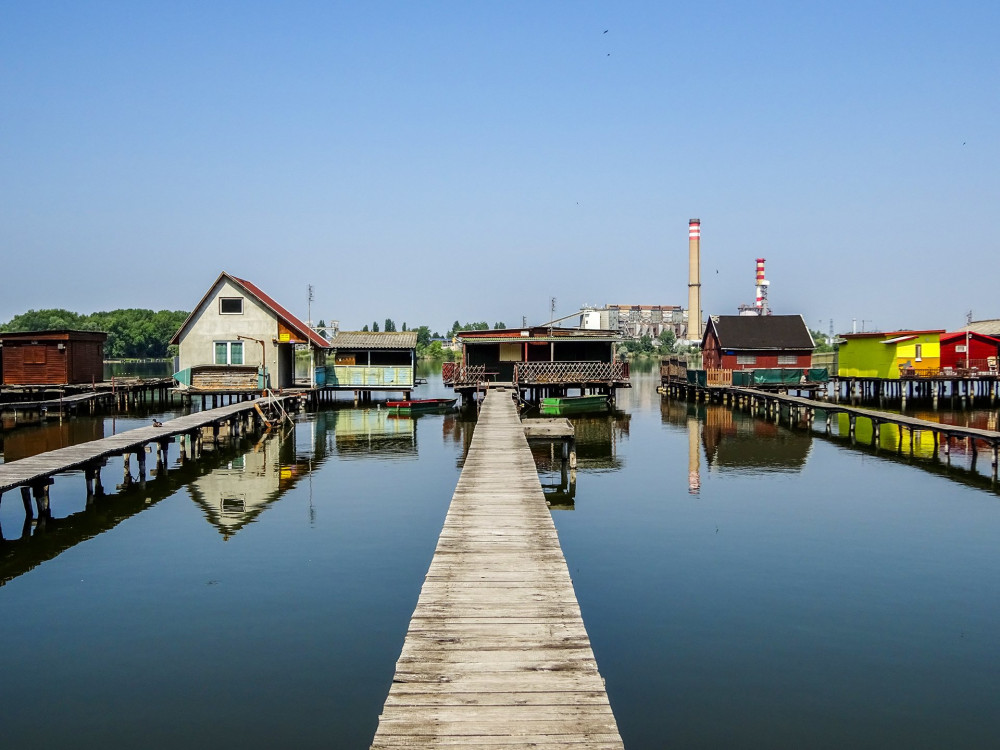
(239, 339)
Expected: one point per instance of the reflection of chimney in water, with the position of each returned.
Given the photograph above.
(694, 458)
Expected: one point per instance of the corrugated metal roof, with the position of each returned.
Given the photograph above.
(370, 340)
(987, 327)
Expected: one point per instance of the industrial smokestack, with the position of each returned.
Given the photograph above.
(761, 302)
(694, 280)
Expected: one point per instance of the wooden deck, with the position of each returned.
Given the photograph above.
(497, 655)
(29, 471)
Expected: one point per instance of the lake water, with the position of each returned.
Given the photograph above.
(743, 585)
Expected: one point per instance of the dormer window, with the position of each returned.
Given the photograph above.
(231, 305)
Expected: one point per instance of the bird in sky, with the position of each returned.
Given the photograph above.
(605, 31)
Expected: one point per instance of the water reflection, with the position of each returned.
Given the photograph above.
(48, 535)
(597, 444)
(734, 441)
(236, 493)
(373, 431)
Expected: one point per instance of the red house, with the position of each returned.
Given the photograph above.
(969, 350)
(53, 357)
(750, 342)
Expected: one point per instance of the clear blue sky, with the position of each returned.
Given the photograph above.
(434, 161)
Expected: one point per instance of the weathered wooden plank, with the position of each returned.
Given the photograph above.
(497, 654)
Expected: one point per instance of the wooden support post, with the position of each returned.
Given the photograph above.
(996, 460)
(853, 422)
(26, 499)
(140, 457)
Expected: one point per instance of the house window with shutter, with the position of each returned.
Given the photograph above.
(787, 359)
(746, 359)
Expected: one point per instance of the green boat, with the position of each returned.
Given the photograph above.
(420, 405)
(573, 404)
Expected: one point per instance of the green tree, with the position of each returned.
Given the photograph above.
(365, 329)
(389, 325)
(423, 337)
(375, 327)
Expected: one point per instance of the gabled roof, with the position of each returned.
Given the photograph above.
(976, 335)
(759, 332)
(253, 290)
(374, 340)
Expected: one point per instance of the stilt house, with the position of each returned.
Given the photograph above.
(752, 342)
(890, 355)
(53, 357)
(238, 339)
(539, 360)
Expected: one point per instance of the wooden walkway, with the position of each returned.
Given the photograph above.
(36, 469)
(497, 655)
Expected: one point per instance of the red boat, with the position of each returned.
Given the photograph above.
(421, 404)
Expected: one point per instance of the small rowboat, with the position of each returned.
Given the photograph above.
(573, 404)
(420, 404)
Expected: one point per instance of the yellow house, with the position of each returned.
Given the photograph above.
(890, 355)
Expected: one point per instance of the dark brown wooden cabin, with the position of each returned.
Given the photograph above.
(539, 361)
(53, 357)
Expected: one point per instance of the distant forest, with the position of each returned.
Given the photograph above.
(132, 334)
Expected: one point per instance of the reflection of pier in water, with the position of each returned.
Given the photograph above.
(45, 537)
(596, 444)
(233, 482)
(734, 441)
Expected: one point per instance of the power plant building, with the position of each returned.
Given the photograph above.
(636, 321)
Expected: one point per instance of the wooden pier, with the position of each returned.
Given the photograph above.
(497, 654)
(34, 475)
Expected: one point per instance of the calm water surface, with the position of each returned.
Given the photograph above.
(743, 585)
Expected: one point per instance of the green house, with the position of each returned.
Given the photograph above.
(360, 360)
(890, 355)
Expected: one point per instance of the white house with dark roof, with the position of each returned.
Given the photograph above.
(239, 339)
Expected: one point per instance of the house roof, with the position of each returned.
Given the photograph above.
(758, 332)
(374, 340)
(536, 334)
(986, 327)
(948, 337)
(253, 290)
(893, 336)
(61, 334)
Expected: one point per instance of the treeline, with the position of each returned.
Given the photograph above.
(132, 334)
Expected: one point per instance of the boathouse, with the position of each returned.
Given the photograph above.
(752, 342)
(366, 362)
(539, 361)
(238, 340)
(968, 351)
(62, 357)
(890, 355)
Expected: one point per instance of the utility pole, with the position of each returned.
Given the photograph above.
(309, 314)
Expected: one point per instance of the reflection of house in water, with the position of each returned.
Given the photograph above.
(233, 495)
(362, 432)
(597, 439)
(735, 441)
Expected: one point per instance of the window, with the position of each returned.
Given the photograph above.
(34, 355)
(229, 352)
(231, 305)
(787, 359)
(746, 359)
(510, 352)
(916, 354)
